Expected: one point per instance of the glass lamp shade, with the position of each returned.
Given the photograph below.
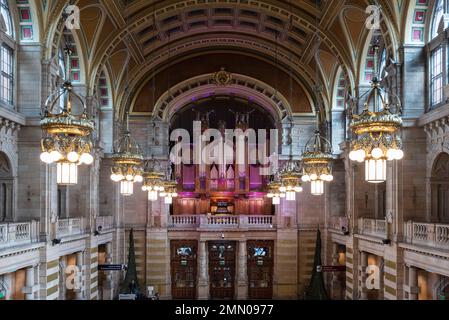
(317, 187)
(291, 195)
(67, 173)
(168, 200)
(276, 200)
(126, 187)
(152, 195)
(376, 170)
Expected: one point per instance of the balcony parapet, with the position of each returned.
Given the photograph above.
(18, 234)
(69, 227)
(372, 227)
(105, 222)
(433, 235)
(226, 222)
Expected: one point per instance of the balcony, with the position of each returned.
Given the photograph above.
(105, 222)
(69, 227)
(219, 223)
(372, 227)
(432, 235)
(18, 234)
(337, 223)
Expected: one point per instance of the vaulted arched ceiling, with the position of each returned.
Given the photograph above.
(135, 39)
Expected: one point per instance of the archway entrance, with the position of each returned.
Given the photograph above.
(6, 189)
(440, 189)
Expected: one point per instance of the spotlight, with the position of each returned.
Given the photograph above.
(55, 241)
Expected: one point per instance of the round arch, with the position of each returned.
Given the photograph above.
(241, 86)
(136, 82)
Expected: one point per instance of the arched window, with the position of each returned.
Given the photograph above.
(4, 7)
(437, 15)
(437, 49)
(7, 78)
(6, 56)
(436, 75)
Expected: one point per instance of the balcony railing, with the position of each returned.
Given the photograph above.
(427, 234)
(105, 222)
(221, 222)
(17, 234)
(373, 227)
(337, 223)
(70, 227)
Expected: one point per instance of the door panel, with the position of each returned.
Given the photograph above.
(183, 269)
(260, 269)
(222, 270)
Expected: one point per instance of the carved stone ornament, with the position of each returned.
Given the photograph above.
(222, 78)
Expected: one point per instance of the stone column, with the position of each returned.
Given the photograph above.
(80, 265)
(413, 283)
(203, 281)
(29, 284)
(242, 280)
(363, 275)
(335, 284)
(62, 278)
(107, 283)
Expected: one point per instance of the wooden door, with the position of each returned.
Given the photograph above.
(222, 269)
(260, 269)
(183, 269)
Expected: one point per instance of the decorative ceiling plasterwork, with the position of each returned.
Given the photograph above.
(183, 26)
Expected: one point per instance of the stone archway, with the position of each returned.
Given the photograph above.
(6, 189)
(439, 186)
(240, 86)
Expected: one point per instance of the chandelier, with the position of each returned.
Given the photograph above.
(290, 179)
(274, 192)
(153, 179)
(317, 163)
(127, 159)
(66, 137)
(169, 185)
(169, 192)
(377, 131)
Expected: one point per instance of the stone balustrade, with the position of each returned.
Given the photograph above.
(70, 227)
(105, 222)
(372, 227)
(427, 234)
(221, 222)
(17, 234)
(337, 223)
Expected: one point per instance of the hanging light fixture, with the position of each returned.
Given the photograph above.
(66, 137)
(153, 179)
(377, 130)
(317, 163)
(127, 159)
(169, 186)
(170, 191)
(274, 192)
(290, 179)
(290, 174)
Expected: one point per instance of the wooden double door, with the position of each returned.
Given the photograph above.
(184, 269)
(260, 269)
(222, 256)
